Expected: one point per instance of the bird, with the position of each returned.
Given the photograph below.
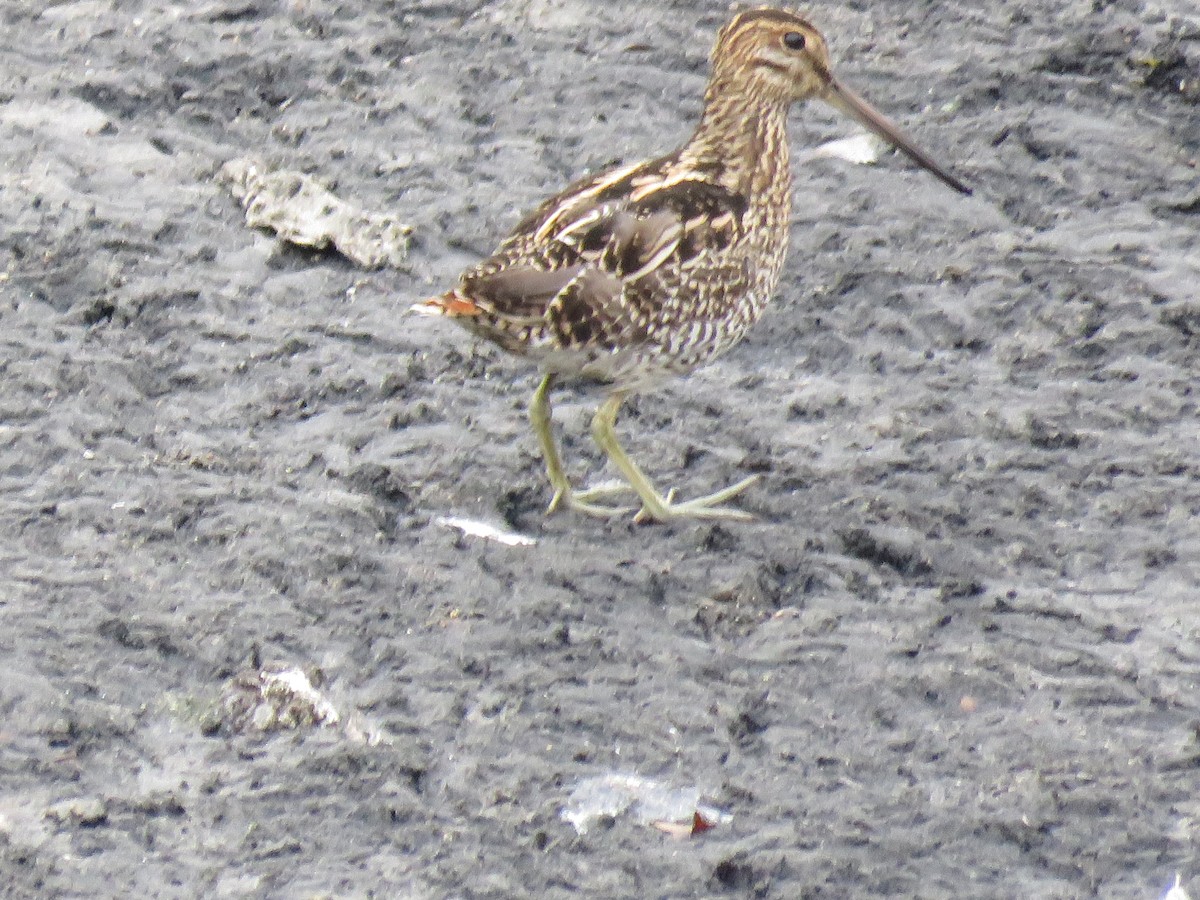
(649, 270)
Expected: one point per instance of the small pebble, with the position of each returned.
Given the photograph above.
(86, 811)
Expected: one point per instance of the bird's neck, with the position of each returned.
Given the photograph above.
(742, 141)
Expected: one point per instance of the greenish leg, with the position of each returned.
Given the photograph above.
(654, 505)
(540, 419)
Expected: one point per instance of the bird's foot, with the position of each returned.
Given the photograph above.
(581, 501)
(657, 508)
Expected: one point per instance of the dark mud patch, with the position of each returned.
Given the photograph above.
(956, 655)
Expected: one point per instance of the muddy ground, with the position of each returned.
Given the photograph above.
(957, 654)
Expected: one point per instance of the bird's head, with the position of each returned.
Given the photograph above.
(776, 56)
(773, 53)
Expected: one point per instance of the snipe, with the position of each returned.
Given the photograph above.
(653, 269)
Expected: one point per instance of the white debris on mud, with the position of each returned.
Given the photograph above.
(280, 697)
(302, 211)
(1176, 891)
(473, 528)
(647, 800)
(861, 149)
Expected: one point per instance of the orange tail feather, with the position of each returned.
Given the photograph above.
(451, 303)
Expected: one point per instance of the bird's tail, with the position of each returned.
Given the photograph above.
(451, 303)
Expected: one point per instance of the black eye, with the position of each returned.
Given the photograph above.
(793, 40)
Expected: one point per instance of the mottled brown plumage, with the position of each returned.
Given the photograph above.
(653, 269)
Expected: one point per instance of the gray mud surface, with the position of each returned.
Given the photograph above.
(957, 654)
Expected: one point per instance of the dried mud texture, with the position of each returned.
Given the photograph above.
(958, 653)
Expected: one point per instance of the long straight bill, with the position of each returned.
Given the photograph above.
(844, 99)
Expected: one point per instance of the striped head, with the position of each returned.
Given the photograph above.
(774, 56)
(772, 53)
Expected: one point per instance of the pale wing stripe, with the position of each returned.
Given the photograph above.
(668, 241)
(570, 203)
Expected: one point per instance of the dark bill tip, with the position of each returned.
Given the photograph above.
(844, 99)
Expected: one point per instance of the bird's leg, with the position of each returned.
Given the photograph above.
(540, 419)
(654, 505)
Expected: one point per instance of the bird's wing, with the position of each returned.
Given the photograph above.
(585, 262)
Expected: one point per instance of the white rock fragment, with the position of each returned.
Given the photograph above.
(302, 211)
(86, 811)
(276, 698)
(294, 685)
(281, 697)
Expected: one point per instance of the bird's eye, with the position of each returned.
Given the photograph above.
(794, 40)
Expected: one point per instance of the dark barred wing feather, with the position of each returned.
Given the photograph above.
(594, 263)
